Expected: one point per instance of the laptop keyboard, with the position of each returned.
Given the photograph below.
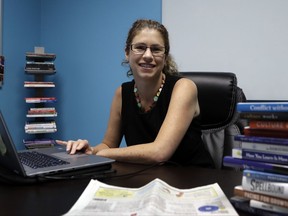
(36, 160)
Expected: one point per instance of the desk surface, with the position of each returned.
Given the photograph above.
(57, 197)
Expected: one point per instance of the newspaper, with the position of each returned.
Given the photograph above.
(155, 198)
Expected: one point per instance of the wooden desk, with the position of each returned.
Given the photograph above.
(57, 197)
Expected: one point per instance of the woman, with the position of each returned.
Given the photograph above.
(157, 112)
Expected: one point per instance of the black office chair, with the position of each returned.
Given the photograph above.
(218, 95)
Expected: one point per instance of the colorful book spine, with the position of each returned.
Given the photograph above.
(269, 125)
(276, 189)
(230, 161)
(268, 207)
(260, 156)
(264, 133)
(239, 191)
(243, 204)
(265, 176)
(265, 148)
(266, 116)
(41, 100)
(255, 139)
(262, 107)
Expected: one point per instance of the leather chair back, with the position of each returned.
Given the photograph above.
(218, 95)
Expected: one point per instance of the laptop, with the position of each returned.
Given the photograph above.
(61, 162)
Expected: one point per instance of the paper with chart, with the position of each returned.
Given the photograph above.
(155, 198)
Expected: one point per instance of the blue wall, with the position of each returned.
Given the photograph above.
(88, 38)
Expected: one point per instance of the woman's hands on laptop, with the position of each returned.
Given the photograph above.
(72, 147)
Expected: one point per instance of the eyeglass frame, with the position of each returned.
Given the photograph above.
(154, 54)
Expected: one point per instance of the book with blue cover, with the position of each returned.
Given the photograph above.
(256, 139)
(262, 107)
(265, 176)
(230, 161)
(260, 156)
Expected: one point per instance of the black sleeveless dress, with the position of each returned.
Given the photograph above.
(139, 127)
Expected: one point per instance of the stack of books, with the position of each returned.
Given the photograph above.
(41, 63)
(40, 127)
(38, 143)
(263, 157)
(40, 100)
(36, 84)
(41, 112)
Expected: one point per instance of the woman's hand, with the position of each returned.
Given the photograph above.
(73, 146)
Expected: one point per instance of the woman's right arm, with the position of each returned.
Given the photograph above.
(112, 136)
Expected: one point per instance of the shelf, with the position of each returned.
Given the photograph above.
(39, 72)
(39, 65)
(39, 57)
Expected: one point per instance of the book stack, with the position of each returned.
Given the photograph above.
(36, 84)
(41, 112)
(263, 157)
(38, 143)
(40, 63)
(40, 127)
(40, 100)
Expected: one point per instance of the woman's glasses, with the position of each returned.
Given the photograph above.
(140, 49)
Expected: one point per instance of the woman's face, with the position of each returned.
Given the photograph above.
(152, 61)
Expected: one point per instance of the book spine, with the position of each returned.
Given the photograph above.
(229, 161)
(244, 205)
(264, 133)
(268, 207)
(238, 191)
(274, 116)
(276, 189)
(265, 148)
(269, 125)
(36, 131)
(39, 141)
(263, 107)
(41, 115)
(260, 156)
(40, 126)
(255, 139)
(42, 108)
(265, 176)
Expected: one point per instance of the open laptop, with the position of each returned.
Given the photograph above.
(79, 163)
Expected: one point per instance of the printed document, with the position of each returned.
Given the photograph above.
(155, 198)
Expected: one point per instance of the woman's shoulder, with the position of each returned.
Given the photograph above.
(128, 83)
(180, 81)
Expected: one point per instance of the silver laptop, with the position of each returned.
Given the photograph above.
(60, 163)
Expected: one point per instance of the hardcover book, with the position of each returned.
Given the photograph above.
(239, 191)
(269, 116)
(243, 204)
(264, 133)
(276, 189)
(268, 207)
(262, 107)
(265, 176)
(269, 125)
(229, 161)
(255, 139)
(260, 156)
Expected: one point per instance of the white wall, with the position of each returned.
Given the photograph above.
(247, 37)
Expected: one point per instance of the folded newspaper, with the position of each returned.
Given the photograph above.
(155, 198)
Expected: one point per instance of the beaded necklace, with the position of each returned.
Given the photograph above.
(155, 98)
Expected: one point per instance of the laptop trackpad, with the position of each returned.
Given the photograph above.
(65, 155)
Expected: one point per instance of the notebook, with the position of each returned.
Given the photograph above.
(61, 162)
